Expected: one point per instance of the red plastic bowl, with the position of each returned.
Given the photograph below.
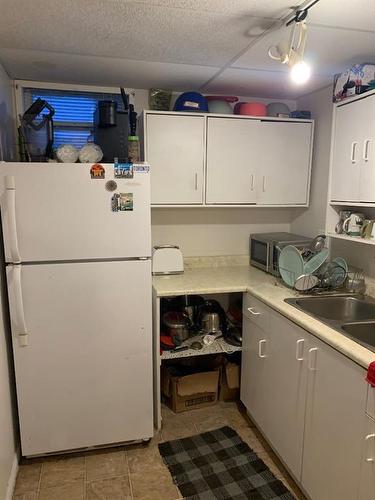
(253, 109)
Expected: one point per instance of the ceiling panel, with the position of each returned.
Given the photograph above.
(263, 8)
(52, 67)
(328, 50)
(263, 84)
(130, 30)
(353, 14)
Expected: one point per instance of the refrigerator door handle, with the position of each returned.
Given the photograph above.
(10, 210)
(17, 310)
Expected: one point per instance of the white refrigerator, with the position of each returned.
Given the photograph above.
(77, 244)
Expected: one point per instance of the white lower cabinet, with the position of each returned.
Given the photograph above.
(309, 402)
(367, 478)
(335, 407)
(273, 385)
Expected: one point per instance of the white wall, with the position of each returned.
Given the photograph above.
(311, 221)
(7, 138)
(7, 439)
(215, 231)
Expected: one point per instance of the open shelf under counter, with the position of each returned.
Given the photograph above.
(220, 346)
(354, 239)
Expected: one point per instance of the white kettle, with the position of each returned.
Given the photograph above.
(352, 226)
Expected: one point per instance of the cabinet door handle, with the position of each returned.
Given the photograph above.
(367, 438)
(312, 358)
(365, 149)
(261, 346)
(252, 311)
(300, 344)
(264, 183)
(196, 181)
(252, 182)
(354, 148)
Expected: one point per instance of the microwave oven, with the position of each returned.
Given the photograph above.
(265, 249)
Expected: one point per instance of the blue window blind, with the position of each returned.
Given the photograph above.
(74, 112)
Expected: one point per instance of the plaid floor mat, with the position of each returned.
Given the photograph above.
(219, 465)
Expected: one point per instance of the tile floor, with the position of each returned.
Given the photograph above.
(136, 471)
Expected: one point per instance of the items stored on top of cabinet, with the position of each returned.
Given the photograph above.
(219, 160)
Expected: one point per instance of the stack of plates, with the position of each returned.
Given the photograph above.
(292, 265)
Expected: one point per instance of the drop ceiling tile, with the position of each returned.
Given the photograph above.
(130, 30)
(263, 8)
(52, 67)
(353, 14)
(328, 50)
(263, 84)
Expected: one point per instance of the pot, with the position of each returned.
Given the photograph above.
(177, 326)
(210, 323)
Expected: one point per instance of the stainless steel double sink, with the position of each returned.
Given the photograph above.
(353, 316)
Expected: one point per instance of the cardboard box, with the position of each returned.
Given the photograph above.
(183, 393)
(230, 382)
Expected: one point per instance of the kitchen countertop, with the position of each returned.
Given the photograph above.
(243, 278)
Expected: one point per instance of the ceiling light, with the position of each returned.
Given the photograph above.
(292, 53)
(300, 72)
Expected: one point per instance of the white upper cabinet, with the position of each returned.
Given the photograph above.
(231, 160)
(175, 149)
(233, 149)
(353, 158)
(284, 166)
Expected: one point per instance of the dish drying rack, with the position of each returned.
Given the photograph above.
(335, 286)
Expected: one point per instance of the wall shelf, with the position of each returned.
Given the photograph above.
(354, 239)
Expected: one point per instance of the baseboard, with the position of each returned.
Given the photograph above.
(12, 479)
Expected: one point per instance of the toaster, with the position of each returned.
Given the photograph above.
(167, 259)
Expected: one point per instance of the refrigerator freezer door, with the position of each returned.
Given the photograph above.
(85, 376)
(58, 212)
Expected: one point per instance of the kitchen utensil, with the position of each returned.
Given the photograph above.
(353, 224)
(312, 265)
(316, 245)
(167, 259)
(196, 345)
(206, 322)
(182, 348)
(367, 227)
(253, 109)
(334, 275)
(291, 264)
(341, 262)
(306, 282)
(209, 339)
(210, 322)
(355, 284)
(176, 325)
(344, 214)
(234, 336)
(277, 109)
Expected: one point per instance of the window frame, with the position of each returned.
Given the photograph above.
(20, 85)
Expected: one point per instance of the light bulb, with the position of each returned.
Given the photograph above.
(300, 72)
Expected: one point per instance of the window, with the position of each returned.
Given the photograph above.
(74, 112)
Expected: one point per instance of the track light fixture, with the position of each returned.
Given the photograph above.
(292, 54)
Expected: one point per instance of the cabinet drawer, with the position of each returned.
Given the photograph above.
(370, 408)
(256, 311)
